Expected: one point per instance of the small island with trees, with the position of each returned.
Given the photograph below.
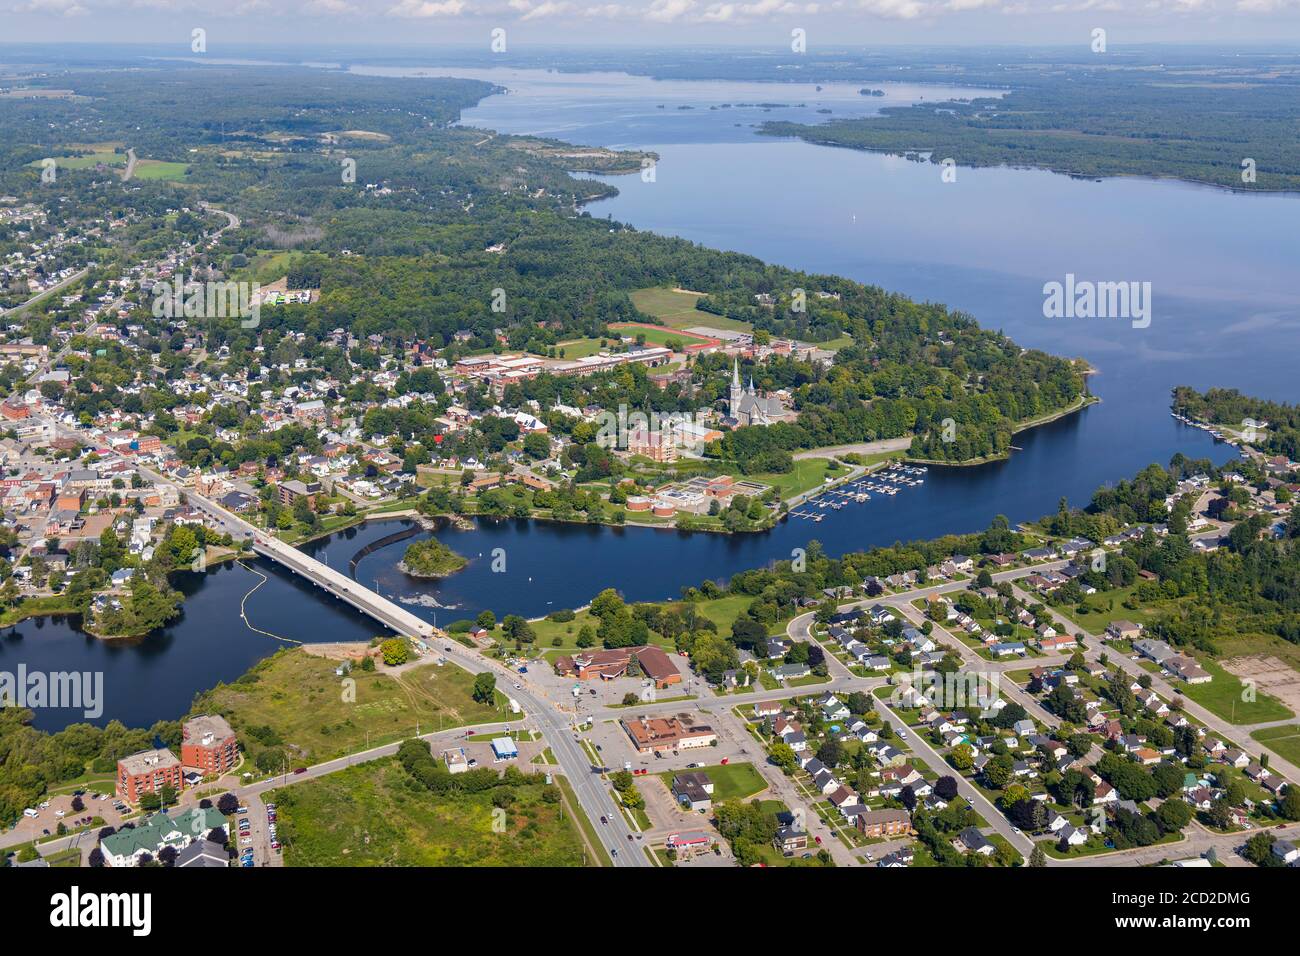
(430, 558)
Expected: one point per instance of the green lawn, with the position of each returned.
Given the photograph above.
(677, 309)
(298, 696)
(1223, 696)
(157, 169)
(1284, 741)
(733, 781)
(370, 815)
(721, 611)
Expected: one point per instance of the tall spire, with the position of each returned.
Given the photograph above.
(735, 372)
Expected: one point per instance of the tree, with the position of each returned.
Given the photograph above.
(395, 651)
(227, 803)
(484, 688)
(1173, 815)
(1289, 806)
(1259, 850)
(1037, 857)
(946, 787)
(96, 858)
(783, 756)
(961, 757)
(831, 752)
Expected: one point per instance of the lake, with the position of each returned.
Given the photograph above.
(1225, 312)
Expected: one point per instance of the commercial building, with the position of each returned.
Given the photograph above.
(661, 734)
(610, 664)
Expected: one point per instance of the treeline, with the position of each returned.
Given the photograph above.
(32, 761)
(1276, 424)
(1098, 121)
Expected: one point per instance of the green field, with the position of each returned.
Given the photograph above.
(734, 781)
(1223, 696)
(1284, 741)
(677, 309)
(721, 611)
(299, 697)
(371, 815)
(159, 170)
(105, 156)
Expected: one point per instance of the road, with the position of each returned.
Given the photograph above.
(592, 794)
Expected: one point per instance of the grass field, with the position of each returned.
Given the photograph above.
(371, 815)
(301, 699)
(1223, 696)
(734, 781)
(1284, 741)
(721, 611)
(677, 309)
(157, 169)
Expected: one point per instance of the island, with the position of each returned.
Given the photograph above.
(430, 558)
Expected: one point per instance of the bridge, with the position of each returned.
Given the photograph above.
(593, 796)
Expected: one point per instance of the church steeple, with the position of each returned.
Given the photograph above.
(733, 406)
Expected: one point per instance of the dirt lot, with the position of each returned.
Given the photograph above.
(1271, 675)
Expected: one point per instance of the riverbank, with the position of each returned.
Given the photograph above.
(1024, 426)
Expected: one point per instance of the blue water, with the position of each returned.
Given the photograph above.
(1225, 313)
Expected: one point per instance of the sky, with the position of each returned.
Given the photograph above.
(232, 25)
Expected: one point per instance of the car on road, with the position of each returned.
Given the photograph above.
(604, 820)
(517, 686)
(613, 850)
(300, 770)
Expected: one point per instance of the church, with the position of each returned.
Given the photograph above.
(746, 407)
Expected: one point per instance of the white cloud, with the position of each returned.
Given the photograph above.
(423, 9)
(895, 9)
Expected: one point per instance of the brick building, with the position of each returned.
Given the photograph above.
(148, 772)
(209, 745)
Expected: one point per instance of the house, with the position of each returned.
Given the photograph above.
(786, 672)
(1153, 650)
(1073, 836)
(767, 708)
(1286, 851)
(1123, 631)
(788, 839)
(884, 823)
(971, 840)
(899, 858)
(203, 853)
(1186, 668)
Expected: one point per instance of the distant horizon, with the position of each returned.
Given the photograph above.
(659, 24)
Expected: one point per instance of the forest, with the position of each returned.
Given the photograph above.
(1193, 121)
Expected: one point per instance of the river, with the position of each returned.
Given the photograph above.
(1225, 312)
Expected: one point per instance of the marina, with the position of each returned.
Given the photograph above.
(888, 482)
